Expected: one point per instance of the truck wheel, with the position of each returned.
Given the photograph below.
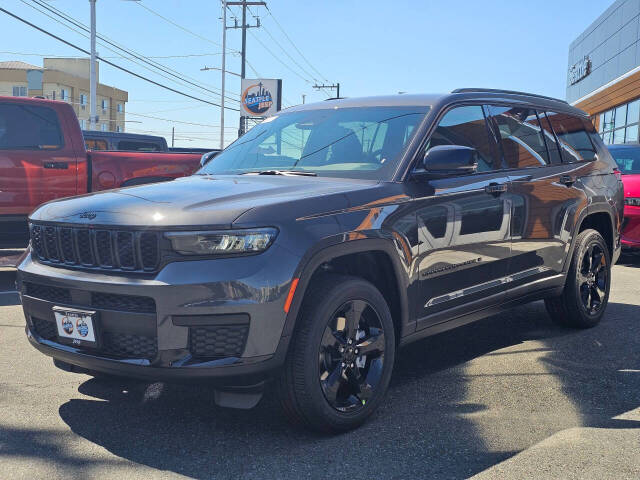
(586, 291)
(341, 357)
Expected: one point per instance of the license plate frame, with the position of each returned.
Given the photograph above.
(77, 327)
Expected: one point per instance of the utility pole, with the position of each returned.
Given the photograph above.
(173, 136)
(336, 86)
(224, 56)
(244, 26)
(92, 71)
(304, 97)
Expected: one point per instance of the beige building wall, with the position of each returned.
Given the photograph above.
(67, 79)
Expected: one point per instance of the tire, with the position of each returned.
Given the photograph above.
(585, 297)
(320, 370)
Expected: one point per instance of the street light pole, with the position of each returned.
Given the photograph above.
(92, 72)
(224, 55)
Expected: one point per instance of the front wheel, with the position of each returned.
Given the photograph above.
(341, 357)
(586, 292)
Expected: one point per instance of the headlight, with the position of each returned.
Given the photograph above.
(632, 201)
(224, 242)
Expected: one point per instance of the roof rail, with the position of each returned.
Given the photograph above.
(496, 90)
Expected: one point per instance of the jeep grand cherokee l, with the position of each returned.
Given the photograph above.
(328, 236)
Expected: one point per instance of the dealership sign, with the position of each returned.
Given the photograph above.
(579, 70)
(260, 97)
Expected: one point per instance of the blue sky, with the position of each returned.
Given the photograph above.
(371, 47)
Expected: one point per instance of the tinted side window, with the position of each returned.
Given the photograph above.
(465, 126)
(25, 127)
(137, 146)
(574, 140)
(523, 145)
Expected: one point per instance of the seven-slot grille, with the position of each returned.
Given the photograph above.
(96, 248)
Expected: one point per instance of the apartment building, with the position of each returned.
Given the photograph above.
(66, 79)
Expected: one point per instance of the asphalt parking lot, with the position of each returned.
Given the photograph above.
(512, 396)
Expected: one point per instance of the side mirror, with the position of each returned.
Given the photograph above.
(206, 158)
(450, 160)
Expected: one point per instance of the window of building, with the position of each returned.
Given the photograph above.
(620, 124)
(120, 108)
(103, 127)
(465, 126)
(64, 94)
(571, 132)
(523, 144)
(105, 104)
(29, 127)
(83, 99)
(83, 123)
(19, 91)
(118, 129)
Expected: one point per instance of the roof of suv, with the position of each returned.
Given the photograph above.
(408, 100)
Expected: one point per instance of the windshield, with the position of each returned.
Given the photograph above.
(361, 143)
(628, 159)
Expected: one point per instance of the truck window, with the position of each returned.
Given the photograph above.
(137, 146)
(26, 127)
(92, 144)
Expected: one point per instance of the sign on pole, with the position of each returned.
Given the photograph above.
(260, 97)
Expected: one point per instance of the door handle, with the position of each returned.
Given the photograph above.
(496, 188)
(56, 165)
(567, 180)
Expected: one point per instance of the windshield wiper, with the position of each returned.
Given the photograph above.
(282, 172)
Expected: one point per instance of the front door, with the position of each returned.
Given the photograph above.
(463, 226)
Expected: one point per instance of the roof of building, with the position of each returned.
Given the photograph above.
(17, 65)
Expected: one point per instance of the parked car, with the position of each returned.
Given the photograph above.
(323, 240)
(43, 157)
(131, 142)
(627, 157)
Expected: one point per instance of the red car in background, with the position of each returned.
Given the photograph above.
(627, 157)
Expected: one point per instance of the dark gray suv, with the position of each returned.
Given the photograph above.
(325, 238)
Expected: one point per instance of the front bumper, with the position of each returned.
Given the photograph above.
(630, 234)
(235, 304)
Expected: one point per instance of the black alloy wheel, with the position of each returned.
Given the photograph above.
(341, 356)
(586, 292)
(592, 277)
(351, 356)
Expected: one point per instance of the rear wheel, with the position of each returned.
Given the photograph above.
(586, 292)
(341, 356)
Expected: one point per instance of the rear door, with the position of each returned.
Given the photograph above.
(37, 162)
(544, 190)
(463, 225)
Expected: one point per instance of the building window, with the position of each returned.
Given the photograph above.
(83, 99)
(118, 129)
(120, 108)
(105, 105)
(620, 124)
(64, 94)
(19, 91)
(83, 123)
(103, 127)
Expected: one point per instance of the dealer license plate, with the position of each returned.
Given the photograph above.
(75, 326)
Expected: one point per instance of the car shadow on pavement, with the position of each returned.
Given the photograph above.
(630, 259)
(428, 423)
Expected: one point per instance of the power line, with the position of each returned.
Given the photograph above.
(52, 55)
(183, 78)
(183, 28)
(108, 62)
(294, 45)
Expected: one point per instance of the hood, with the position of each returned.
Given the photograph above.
(198, 200)
(631, 185)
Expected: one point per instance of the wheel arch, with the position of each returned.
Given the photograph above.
(601, 219)
(343, 256)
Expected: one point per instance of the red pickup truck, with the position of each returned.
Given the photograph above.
(43, 157)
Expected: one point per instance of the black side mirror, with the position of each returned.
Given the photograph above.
(450, 160)
(206, 158)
